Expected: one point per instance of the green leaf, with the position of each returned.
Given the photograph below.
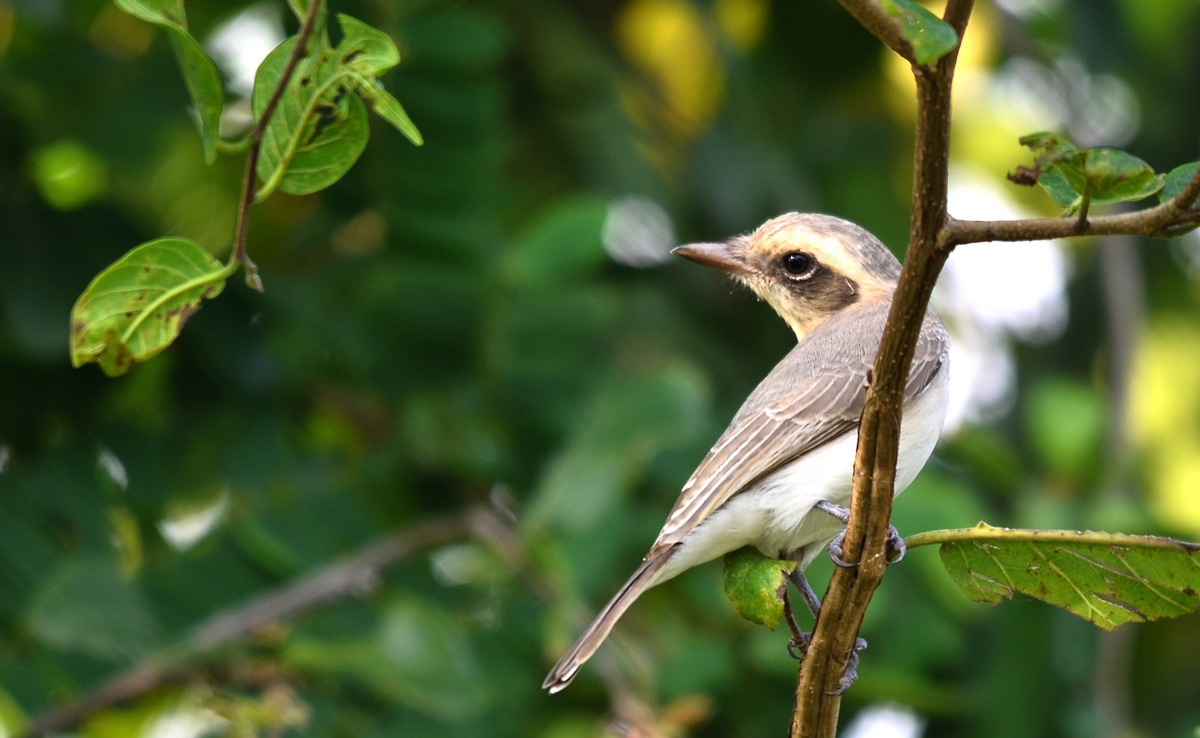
(200, 74)
(138, 305)
(87, 606)
(1060, 190)
(1107, 579)
(365, 49)
(1047, 144)
(367, 52)
(1100, 175)
(1112, 176)
(930, 36)
(1176, 180)
(757, 585)
(319, 129)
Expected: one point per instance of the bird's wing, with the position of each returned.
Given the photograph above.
(770, 431)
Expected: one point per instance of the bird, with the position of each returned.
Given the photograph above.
(780, 476)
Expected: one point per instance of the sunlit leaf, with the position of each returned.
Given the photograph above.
(930, 36)
(757, 585)
(1107, 579)
(1176, 180)
(368, 52)
(1098, 176)
(138, 305)
(366, 49)
(1109, 175)
(200, 74)
(319, 128)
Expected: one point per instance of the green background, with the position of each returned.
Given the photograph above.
(444, 328)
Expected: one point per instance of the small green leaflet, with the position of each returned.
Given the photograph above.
(1177, 179)
(1075, 178)
(137, 306)
(757, 585)
(930, 36)
(320, 127)
(200, 74)
(1107, 579)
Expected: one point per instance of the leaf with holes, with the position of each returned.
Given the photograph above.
(367, 53)
(138, 305)
(200, 74)
(930, 36)
(1097, 176)
(320, 127)
(1107, 579)
(757, 585)
(318, 130)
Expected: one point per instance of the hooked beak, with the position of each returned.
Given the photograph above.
(716, 255)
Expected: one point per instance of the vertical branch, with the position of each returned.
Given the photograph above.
(851, 589)
(241, 226)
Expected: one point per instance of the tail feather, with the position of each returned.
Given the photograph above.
(568, 666)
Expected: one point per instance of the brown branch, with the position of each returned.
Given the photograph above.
(242, 223)
(871, 16)
(351, 576)
(851, 589)
(1179, 213)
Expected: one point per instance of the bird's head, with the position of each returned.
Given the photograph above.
(806, 266)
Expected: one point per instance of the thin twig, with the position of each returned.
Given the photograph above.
(241, 227)
(1177, 213)
(350, 576)
(871, 15)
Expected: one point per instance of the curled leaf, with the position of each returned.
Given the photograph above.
(138, 305)
(757, 585)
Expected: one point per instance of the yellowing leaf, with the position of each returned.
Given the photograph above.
(139, 304)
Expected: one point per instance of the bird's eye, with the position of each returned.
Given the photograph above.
(798, 264)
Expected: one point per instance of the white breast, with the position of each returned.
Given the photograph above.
(776, 515)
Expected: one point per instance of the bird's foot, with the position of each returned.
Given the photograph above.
(850, 675)
(896, 548)
(798, 646)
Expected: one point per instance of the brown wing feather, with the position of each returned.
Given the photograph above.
(813, 395)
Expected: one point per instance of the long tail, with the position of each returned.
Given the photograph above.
(568, 666)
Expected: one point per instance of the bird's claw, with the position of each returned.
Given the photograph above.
(835, 551)
(896, 547)
(849, 676)
(798, 645)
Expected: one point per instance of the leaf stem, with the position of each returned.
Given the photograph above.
(984, 532)
(239, 255)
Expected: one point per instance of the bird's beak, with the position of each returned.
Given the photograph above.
(721, 256)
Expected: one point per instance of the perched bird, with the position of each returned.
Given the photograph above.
(774, 479)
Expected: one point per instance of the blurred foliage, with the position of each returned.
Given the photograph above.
(492, 316)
